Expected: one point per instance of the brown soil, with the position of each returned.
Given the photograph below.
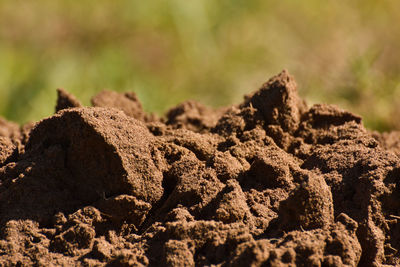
(269, 182)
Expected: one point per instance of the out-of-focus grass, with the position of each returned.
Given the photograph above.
(340, 52)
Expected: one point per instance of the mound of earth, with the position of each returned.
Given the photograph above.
(268, 182)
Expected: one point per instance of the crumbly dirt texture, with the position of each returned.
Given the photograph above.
(267, 182)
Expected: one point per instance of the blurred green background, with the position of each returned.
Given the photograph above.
(341, 52)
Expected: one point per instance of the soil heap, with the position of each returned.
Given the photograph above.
(268, 182)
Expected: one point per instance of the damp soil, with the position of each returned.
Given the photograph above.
(267, 182)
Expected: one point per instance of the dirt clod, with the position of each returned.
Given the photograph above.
(66, 100)
(268, 182)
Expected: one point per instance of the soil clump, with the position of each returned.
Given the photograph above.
(268, 182)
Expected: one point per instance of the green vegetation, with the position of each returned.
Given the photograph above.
(342, 52)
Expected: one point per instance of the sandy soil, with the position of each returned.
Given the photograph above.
(268, 182)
